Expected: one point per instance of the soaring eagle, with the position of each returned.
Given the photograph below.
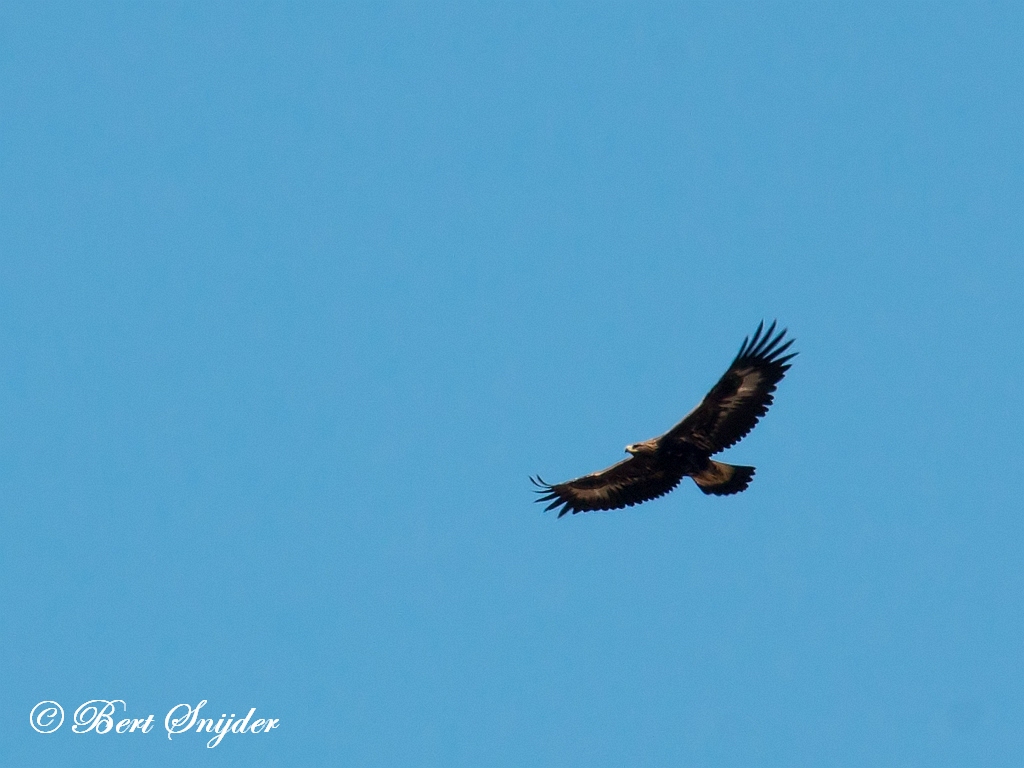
(723, 418)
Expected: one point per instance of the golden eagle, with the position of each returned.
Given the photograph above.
(723, 418)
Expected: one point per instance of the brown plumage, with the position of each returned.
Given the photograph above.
(724, 417)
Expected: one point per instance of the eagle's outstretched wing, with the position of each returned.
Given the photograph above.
(629, 482)
(741, 397)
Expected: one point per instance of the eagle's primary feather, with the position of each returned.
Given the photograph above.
(724, 417)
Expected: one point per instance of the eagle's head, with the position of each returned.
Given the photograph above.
(647, 446)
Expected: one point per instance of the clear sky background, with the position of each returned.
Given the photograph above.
(294, 298)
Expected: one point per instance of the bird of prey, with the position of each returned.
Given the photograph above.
(723, 418)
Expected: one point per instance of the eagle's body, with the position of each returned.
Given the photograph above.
(723, 418)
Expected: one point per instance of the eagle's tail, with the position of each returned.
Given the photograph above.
(722, 479)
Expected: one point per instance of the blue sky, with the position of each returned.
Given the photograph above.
(294, 299)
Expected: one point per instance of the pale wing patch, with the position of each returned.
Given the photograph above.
(751, 382)
(594, 493)
(750, 385)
